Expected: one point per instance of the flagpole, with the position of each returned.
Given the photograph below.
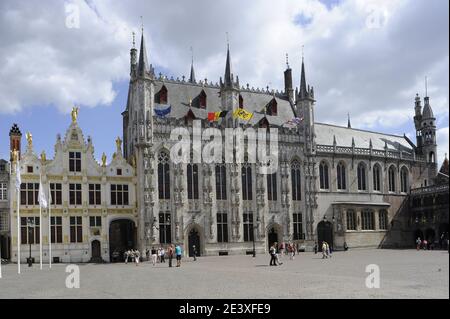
(40, 224)
(18, 229)
(49, 229)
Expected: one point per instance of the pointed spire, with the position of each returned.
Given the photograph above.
(192, 76)
(349, 125)
(303, 91)
(228, 76)
(143, 62)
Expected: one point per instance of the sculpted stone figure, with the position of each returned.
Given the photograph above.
(74, 114)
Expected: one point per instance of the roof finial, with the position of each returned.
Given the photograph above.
(228, 40)
(349, 125)
(287, 60)
(134, 39)
(303, 52)
(142, 24)
(192, 56)
(426, 86)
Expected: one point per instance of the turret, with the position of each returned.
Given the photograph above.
(289, 91)
(15, 139)
(229, 89)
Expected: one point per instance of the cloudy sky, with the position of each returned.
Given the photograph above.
(366, 58)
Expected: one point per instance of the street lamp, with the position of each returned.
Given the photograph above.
(30, 224)
(255, 227)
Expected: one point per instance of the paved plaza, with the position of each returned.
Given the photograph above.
(404, 274)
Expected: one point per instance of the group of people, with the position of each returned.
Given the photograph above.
(326, 250)
(430, 245)
(158, 255)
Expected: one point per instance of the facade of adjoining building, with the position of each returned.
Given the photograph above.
(92, 213)
(4, 210)
(338, 184)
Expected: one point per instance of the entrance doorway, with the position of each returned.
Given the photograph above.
(272, 237)
(122, 237)
(325, 233)
(194, 240)
(96, 251)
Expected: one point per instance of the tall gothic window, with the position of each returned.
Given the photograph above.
(296, 181)
(222, 227)
(323, 175)
(362, 184)
(164, 228)
(298, 226)
(341, 178)
(248, 226)
(247, 189)
(163, 176)
(351, 219)
(272, 186)
(192, 181)
(404, 180)
(391, 176)
(383, 219)
(376, 178)
(221, 182)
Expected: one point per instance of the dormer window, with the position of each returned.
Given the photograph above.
(30, 169)
(161, 96)
(241, 102)
(272, 108)
(202, 100)
(119, 172)
(75, 161)
(189, 117)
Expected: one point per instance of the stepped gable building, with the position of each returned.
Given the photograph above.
(333, 183)
(93, 214)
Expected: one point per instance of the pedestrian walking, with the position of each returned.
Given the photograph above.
(154, 253)
(291, 251)
(324, 250)
(282, 247)
(170, 252)
(194, 252)
(345, 246)
(162, 256)
(178, 253)
(418, 243)
(126, 255)
(315, 248)
(273, 255)
(137, 255)
(147, 254)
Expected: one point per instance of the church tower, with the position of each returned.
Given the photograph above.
(138, 137)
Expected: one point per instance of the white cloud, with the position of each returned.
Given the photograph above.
(356, 65)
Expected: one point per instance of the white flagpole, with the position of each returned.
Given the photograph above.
(40, 224)
(18, 230)
(49, 229)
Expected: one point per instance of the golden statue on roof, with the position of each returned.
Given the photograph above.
(103, 159)
(29, 137)
(43, 157)
(118, 143)
(74, 114)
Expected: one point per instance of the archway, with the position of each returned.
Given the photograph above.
(430, 235)
(325, 233)
(272, 237)
(96, 254)
(194, 240)
(122, 236)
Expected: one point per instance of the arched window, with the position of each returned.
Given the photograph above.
(241, 102)
(247, 189)
(376, 178)
(272, 186)
(221, 182)
(362, 183)
(202, 100)
(341, 178)
(391, 176)
(192, 181)
(323, 174)
(404, 176)
(296, 181)
(161, 96)
(163, 176)
(431, 158)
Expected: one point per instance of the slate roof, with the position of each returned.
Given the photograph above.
(344, 135)
(179, 94)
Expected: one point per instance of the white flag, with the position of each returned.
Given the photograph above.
(18, 177)
(42, 199)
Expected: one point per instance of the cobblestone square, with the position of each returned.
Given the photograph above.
(403, 274)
